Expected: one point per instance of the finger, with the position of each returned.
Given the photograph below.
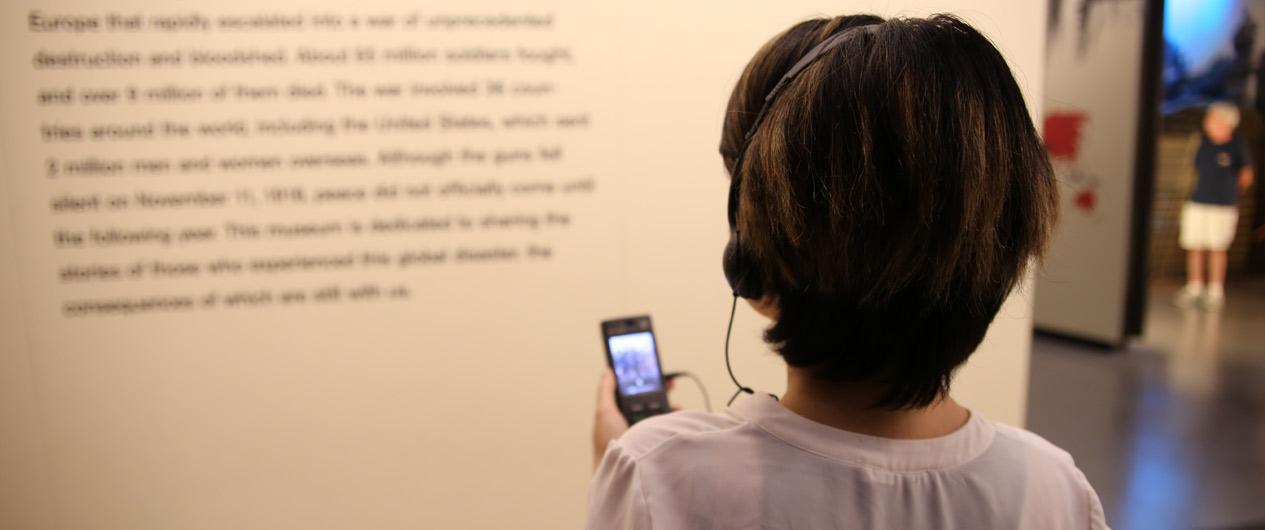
(606, 391)
(669, 384)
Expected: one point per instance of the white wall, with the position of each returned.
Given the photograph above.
(1081, 291)
(469, 405)
(25, 491)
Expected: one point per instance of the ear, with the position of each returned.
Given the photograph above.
(741, 269)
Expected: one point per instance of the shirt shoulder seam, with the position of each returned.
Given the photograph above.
(658, 446)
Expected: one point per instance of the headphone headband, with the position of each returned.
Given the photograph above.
(802, 64)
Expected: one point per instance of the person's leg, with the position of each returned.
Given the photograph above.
(1216, 276)
(1192, 239)
(1194, 288)
(1195, 268)
(1222, 222)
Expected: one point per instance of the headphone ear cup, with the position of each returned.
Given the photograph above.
(742, 271)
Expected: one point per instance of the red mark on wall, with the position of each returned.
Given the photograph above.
(1063, 134)
(1086, 199)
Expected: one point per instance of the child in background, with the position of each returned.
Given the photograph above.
(1223, 170)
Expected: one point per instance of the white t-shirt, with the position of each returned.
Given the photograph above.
(759, 465)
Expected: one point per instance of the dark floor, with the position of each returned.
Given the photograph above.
(1171, 431)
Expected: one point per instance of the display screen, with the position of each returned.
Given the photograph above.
(635, 362)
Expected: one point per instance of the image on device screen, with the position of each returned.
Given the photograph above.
(636, 366)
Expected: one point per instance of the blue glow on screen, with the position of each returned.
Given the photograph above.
(635, 362)
(1201, 29)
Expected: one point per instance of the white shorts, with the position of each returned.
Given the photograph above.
(1208, 226)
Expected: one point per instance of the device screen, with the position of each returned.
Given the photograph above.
(636, 363)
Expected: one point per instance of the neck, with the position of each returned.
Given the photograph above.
(846, 406)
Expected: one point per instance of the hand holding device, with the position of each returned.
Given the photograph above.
(609, 423)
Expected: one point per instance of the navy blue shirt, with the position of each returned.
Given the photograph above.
(1217, 167)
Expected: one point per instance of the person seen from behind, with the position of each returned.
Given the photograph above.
(890, 199)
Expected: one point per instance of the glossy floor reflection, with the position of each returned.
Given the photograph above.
(1171, 432)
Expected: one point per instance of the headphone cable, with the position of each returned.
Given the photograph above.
(707, 400)
(728, 366)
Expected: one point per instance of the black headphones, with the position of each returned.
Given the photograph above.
(745, 276)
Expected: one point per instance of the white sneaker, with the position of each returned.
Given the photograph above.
(1187, 297)
(1214, 300)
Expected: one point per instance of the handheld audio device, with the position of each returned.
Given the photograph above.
(743, 272)
(634, 357)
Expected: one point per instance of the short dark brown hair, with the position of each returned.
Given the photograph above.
(892, 197)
